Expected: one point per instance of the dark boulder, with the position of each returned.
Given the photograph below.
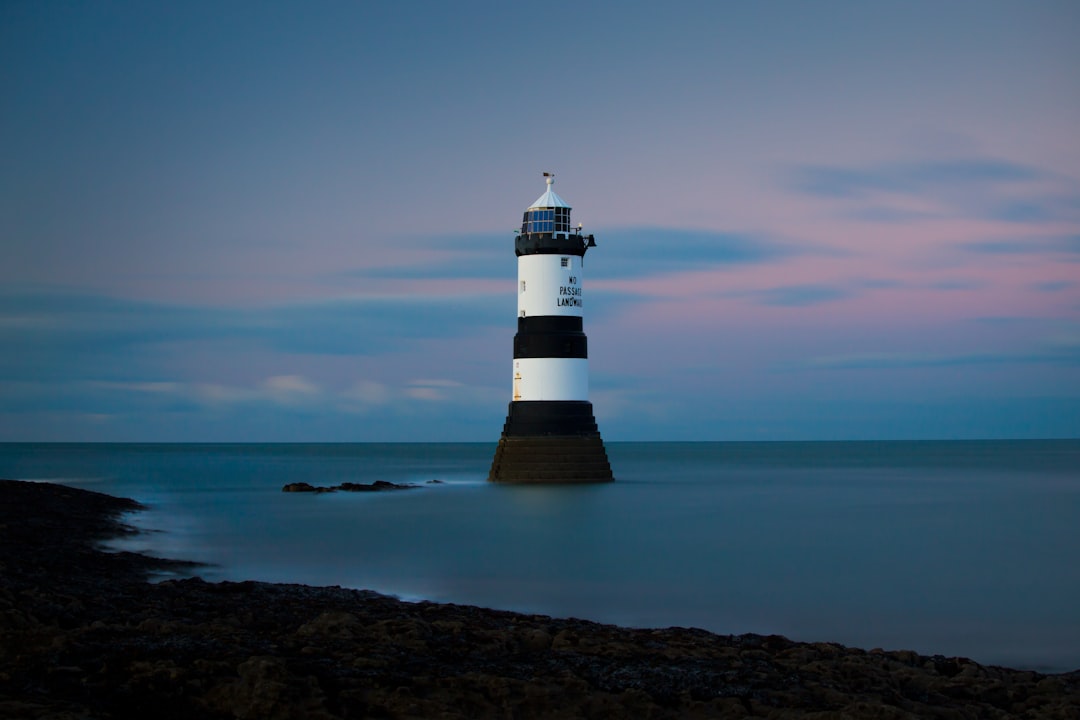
(376, 486)
(299, 487)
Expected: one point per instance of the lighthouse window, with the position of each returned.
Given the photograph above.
(546, 221)
(562, 219)
(565, 263)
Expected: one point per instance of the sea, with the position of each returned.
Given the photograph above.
(968, 548)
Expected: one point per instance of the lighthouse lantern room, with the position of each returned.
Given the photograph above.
(550, 433)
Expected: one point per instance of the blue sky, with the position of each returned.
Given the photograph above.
(294, 222)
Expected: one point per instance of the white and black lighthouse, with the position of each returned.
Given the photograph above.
(550, 433)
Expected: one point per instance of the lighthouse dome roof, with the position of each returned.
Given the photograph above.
(549, 199)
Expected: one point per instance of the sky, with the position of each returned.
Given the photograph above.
(279, 221)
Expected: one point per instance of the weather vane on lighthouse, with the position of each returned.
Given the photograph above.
(550, 433)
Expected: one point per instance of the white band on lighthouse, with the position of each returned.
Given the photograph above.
(551, 379)
(549, 285)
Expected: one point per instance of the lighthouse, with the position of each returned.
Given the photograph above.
(550, 434)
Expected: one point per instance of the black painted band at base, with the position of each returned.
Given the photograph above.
(538, 418)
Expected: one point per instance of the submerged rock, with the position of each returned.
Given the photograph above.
(299, 487)
(376, 486)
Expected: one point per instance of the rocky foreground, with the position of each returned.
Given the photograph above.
(84, 635)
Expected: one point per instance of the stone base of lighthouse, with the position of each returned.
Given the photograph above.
(550, 442)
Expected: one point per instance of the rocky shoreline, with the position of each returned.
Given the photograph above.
(84, 635)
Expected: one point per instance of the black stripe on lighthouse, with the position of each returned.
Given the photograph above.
(550, 336)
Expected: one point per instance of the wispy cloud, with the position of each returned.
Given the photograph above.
(1053, 286)
(367, 394)
(909, 178)
(809, 294)
(431, 390)
(368, 326)
(620, 253)
(87, 336)
(1063, 246)
(1060, 355)
(292, 390)
(476, 255)
(801, 295)
(978, 187)
(637, 252)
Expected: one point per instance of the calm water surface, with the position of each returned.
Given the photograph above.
(959, 548)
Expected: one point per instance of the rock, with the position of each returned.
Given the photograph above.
(376, 486)
(267, 690)
(332, 625)
(536, 640)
